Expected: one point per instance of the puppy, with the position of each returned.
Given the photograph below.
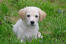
(27, 27)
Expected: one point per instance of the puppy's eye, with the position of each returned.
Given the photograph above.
(36, 16)
(28, 15)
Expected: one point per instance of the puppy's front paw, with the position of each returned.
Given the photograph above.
(22, 41)
(39, 35)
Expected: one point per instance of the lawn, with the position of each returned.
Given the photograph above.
(53, 27)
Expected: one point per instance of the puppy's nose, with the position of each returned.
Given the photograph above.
(32, 22)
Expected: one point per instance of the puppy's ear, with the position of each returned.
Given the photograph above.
(42, 14)
(22, 13)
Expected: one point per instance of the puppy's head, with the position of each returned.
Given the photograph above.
(31, 15)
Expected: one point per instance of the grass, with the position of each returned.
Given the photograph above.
(53, 27)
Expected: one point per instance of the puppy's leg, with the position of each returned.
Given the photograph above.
(39, 35)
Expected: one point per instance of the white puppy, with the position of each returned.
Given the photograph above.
(27, 27)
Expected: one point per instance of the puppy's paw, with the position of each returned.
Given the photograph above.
(39, 35)
(22, 41)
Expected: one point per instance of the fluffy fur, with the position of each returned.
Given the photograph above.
(27, 27)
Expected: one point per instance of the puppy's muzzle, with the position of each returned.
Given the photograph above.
(32, 22)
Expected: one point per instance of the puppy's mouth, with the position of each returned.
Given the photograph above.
(32, 24)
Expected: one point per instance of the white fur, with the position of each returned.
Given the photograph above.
(23, 28)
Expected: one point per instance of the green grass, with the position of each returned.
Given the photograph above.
(53, 27)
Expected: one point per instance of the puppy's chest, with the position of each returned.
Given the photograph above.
(30, 33)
